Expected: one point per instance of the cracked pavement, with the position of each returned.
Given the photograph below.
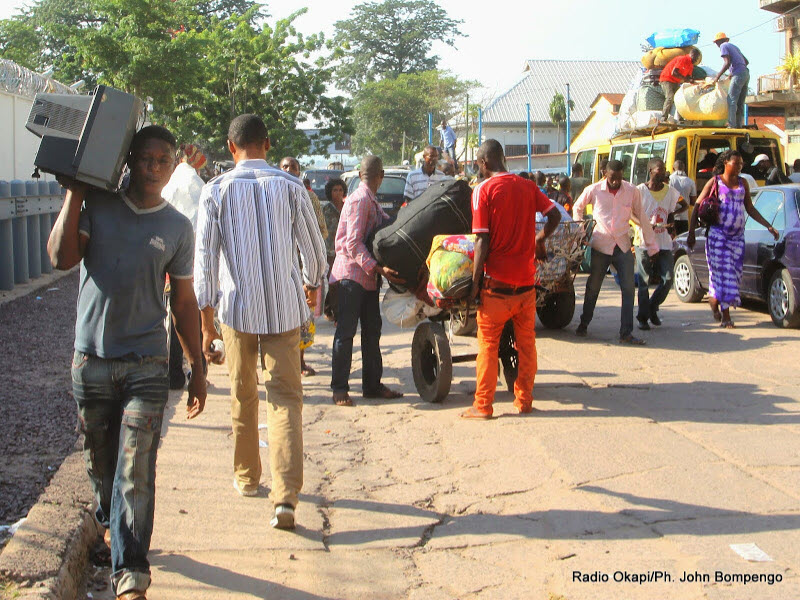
(641, 459)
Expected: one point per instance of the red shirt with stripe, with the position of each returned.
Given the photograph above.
(505, 207)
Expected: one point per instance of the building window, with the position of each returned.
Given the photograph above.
(522, 149)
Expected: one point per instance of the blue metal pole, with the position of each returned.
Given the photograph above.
(746, 111)
(20, 231)
(430, 128)
(6, 240)
(480, 126)
(569, 139)
(528, 111)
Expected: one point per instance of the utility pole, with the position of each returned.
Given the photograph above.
(403, 151)
(569, 156)
(430, 128)
(528, 111)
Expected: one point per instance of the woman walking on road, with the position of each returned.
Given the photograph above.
(725, 240)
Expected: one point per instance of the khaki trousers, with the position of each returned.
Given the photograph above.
(280, 365)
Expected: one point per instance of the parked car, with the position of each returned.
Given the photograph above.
(771, 269)
(320, 177)
(390, 194)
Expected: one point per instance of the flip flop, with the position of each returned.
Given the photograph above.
(344, 400)
(308, 372)
(473, 413)
(727, 325)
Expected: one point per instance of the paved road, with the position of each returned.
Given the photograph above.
(646, 461)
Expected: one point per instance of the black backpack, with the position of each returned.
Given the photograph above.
(443, 209)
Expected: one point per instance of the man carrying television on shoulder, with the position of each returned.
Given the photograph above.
(127, 243)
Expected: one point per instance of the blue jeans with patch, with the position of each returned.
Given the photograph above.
(120, 409)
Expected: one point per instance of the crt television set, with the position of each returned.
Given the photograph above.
(86, 137)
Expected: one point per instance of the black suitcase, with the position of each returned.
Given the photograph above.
(444, 208)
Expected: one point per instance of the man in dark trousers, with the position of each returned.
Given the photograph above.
(504, 208)
(127, 243)
(358, 275)
(678, 70)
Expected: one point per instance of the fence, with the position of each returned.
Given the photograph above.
(28, 210)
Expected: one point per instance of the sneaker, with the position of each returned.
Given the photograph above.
(655, 320)
(248, 492)
(643, 325)
(284, 517)
(581, 330)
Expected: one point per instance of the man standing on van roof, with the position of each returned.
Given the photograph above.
(614, 202)
(677, 71)
(504, 211)
(733, 59)
(421, 179)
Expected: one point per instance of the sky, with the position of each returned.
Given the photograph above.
(501, 35)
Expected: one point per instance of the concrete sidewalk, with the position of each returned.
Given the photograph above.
(645, 461)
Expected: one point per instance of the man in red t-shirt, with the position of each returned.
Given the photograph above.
(677, 71)
(504, 211)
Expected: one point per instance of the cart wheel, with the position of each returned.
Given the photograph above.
(558, 308)
(508, 356)
(431, 362)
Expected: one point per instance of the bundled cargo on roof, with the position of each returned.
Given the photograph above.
(703, 102)
(658, 57)
(674, 38)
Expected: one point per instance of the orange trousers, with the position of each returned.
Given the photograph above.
(495, 310)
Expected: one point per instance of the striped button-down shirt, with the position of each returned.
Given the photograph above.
(361, 215)
(417, 182)
(250, 224)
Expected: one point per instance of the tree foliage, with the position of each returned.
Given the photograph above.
(385, 110)
(392, 37)
(201, 63)
(558, 113)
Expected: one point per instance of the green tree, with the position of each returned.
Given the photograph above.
(389, 38)
(387, 110)
(201, 63)
(558, 113)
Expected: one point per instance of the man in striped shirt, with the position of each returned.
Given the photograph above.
(421, 179)
(358, 276)
(251, 222)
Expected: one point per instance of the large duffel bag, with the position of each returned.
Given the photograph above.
(444, 208)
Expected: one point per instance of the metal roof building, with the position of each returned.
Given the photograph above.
(543, 78)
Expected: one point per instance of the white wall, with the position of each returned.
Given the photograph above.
(18, 146)
(539, 135)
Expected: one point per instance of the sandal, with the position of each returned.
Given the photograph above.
(727, 324)
(307, 371)
(342, 399)
(383, 393)
(474, 413)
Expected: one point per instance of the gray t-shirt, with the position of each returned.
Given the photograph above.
(121, 297)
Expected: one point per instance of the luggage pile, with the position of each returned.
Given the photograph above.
(642, 106)
(450, 265)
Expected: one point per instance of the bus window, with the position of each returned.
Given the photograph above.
(768, 146)
(639, 174)
(624, 154)
(644, 154)
(681, 151)
(586, 160)
(707, 154)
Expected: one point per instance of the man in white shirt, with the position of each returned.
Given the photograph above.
(421, 179)
(660, 202)
(687, 188)
(252, 221)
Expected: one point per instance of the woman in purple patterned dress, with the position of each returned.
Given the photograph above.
(725, 241)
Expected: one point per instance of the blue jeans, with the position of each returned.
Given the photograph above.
(648, 305)
(120, 409)
(624, 263)
(737, 93)
(357, 304)
(451, 151)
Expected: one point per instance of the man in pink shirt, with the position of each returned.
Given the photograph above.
(357, 273)
(614, 202)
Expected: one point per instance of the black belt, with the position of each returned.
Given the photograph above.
(511, 291)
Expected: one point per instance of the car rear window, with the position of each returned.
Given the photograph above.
(392, 184)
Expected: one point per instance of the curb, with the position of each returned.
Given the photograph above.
(48, 554)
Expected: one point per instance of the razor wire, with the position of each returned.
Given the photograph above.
(16, 79)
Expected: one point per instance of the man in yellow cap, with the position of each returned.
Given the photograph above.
(733, 59)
